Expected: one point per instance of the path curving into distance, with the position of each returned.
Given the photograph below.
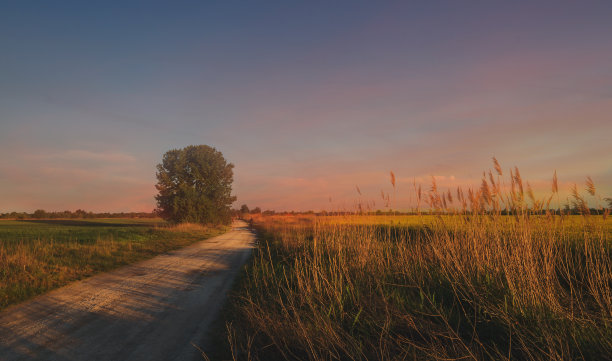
(151, 310)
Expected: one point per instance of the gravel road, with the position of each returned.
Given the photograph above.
(152, 310)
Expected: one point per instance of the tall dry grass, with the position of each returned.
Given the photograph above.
(467, 281)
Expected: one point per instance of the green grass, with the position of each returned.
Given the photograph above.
(39, 255)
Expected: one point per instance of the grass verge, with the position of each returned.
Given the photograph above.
(40, 255)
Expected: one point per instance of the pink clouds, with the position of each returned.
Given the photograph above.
(308, 113)
(313, 188)
(87, 179)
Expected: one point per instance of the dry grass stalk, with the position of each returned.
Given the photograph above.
(472, 284)
(590, 186)
(498, 168)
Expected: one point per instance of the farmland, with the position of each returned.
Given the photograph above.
(39, 255)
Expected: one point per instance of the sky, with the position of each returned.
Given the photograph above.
(308, 100)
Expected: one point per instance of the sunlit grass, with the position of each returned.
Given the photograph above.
(37, 256)
(463, 282)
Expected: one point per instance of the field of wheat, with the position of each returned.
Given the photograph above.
(479, 274)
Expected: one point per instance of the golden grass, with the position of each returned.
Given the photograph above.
(37, 256)
(466, 282)
(190, 227)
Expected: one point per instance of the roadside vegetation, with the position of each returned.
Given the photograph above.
(39, 255)
(487, 273)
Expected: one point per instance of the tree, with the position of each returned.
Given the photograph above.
(256, 210)
(244, 208)
(195, 185)
(39, 213)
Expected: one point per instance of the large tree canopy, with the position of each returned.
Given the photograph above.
(195, 185)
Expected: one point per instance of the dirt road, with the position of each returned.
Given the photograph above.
(152, 310)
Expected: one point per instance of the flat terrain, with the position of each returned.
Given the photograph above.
(458, 286)
(37, 256)
(152, 310)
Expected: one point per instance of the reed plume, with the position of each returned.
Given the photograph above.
(498, 168)
(590, 186)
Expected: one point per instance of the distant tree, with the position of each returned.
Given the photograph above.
(39, 213)
(80, 213)
(244, 208)
(195, 185)
(256, 210)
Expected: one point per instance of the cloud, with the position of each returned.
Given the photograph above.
(88, 179)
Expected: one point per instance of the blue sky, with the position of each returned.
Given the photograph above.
(306, 99)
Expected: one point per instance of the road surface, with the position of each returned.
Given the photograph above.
(152, 310)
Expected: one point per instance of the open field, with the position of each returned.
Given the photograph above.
(39, 255)
(484, 286)
(157, 309)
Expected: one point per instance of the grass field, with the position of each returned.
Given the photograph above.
(447, 287)
(462, 282)
(39, 255)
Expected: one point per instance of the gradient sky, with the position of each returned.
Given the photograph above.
(307, 100)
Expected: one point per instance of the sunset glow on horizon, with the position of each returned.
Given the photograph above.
(307, 101)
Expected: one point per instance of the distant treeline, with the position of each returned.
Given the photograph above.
(565, 211)
(82, 214)
(79, 213)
